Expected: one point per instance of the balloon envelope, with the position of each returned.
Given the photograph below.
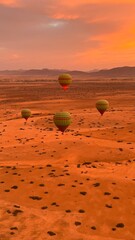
(65, 80)
(26, 113)
(102, 106)
(62, 120)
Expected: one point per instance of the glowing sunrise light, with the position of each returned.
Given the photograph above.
(56, 24)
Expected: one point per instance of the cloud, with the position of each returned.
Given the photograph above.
(10, 3)
(82, 2)
(66, 33)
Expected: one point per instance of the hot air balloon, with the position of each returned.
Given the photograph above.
(65, 80)
(102, 106)
(62, 120)
(26, 113)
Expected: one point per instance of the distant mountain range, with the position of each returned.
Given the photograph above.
(51, 73)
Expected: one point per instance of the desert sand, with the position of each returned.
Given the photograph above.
(76, 186)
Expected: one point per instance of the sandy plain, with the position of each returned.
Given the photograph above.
(76, 186)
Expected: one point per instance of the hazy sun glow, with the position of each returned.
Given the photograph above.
(78, 34)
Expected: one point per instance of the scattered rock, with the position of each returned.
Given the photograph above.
(14, 187)
(120, 225)
(93, 228)
(68, 210)
(107, 193)
(83, 193)
(16, 212)
(13, 228)
(116, 197)
(41, 185)
(108, 206)
(77, 223)
(51, 233)
(35, 197)
(44, 207)
(96, 184)
(81, 211)
(6, 190)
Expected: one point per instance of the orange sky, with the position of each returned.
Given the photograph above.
(76, 34)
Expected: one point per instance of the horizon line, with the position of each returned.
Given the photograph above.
(58, 69)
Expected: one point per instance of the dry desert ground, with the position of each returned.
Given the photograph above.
(76, 186)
